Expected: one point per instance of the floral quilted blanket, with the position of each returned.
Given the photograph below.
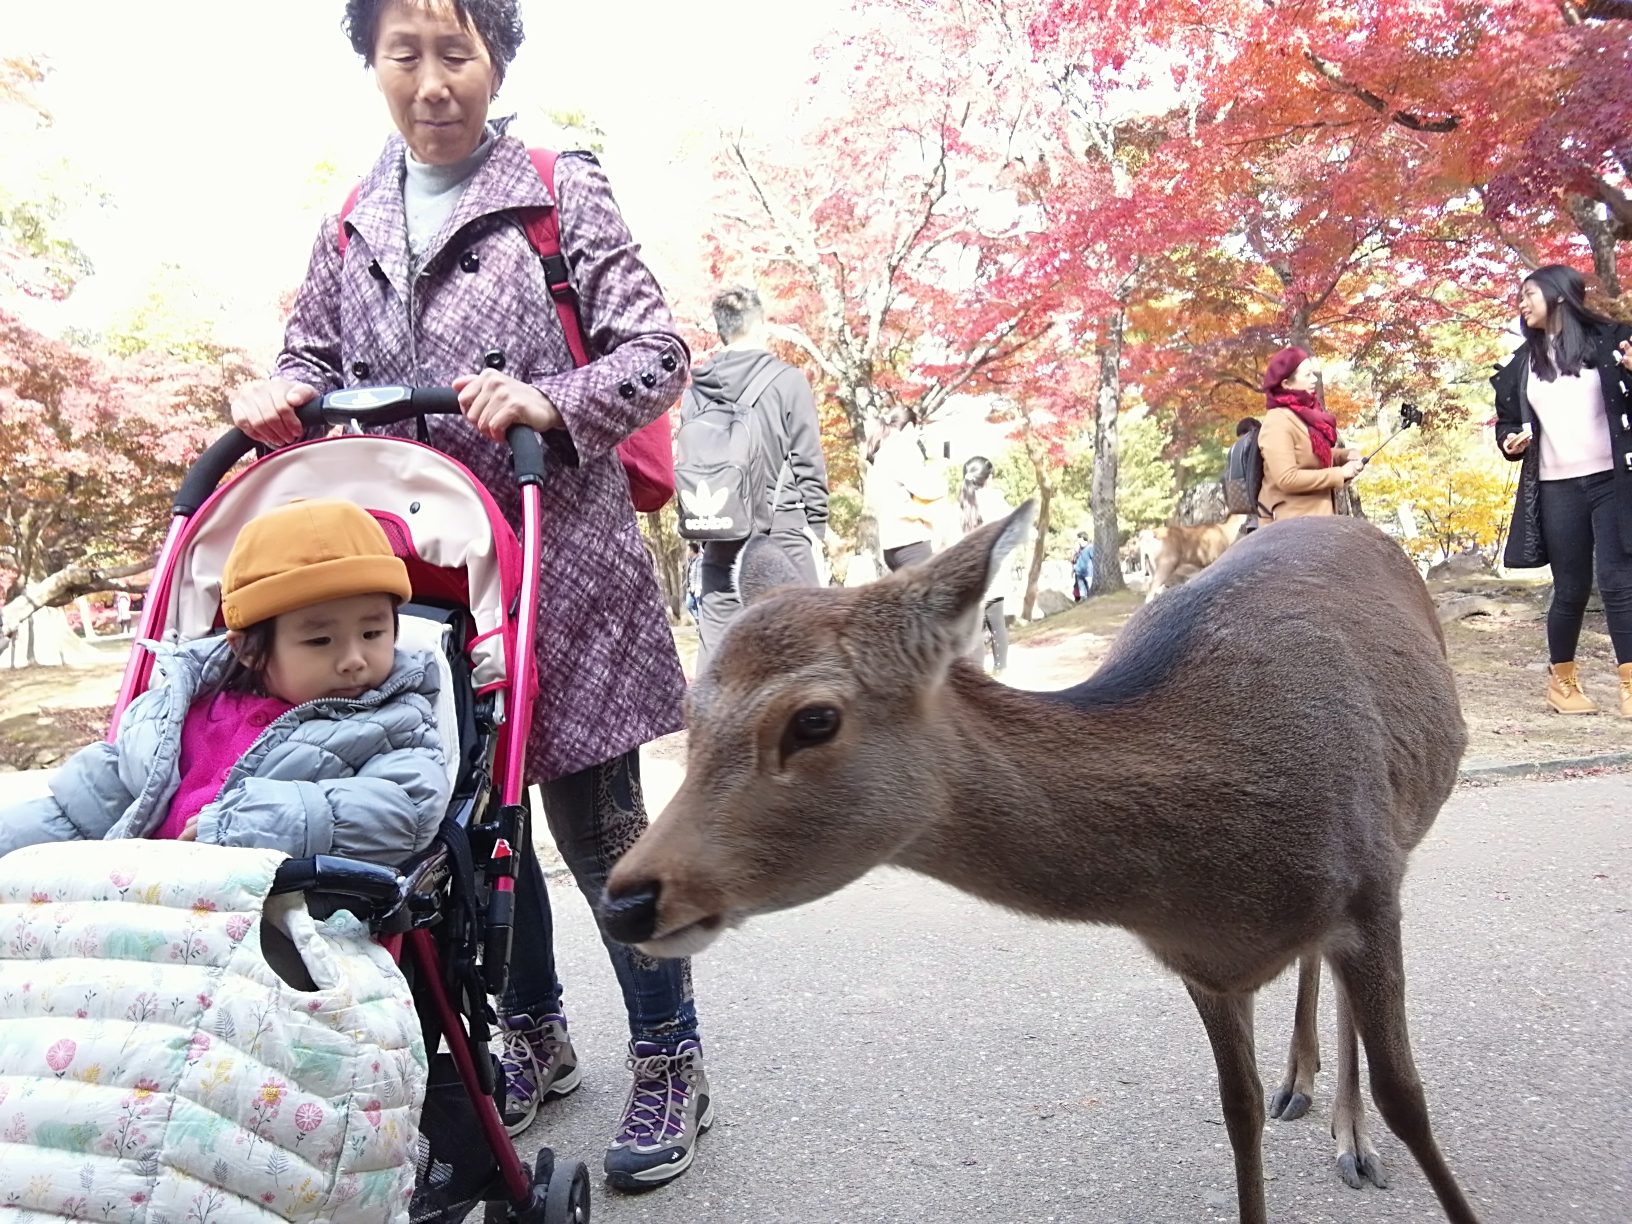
(155, 1069)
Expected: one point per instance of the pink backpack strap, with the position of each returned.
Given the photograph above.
(543, 226)
(345, 211)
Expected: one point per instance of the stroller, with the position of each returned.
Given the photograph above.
(475, 600)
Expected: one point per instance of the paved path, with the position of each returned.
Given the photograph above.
(899, 1052)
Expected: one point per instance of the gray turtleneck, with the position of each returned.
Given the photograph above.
(431, 193)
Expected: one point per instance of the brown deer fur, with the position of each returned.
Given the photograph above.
(1183, 552)
(1240, 784)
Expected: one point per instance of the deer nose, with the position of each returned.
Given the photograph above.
(631, 916)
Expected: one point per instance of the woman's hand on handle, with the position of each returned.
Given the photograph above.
(1624, 354)
(1352, 468)
(1516, 443)
(266, 410)
(492, 402)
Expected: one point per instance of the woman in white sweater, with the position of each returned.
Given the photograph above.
(1564, 409)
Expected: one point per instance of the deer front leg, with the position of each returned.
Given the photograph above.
(1229, 1028)
(1357, 1159)
(1292, 1098)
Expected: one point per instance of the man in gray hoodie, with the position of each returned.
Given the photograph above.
(790, 460)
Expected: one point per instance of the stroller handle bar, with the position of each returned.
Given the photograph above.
(366, 406)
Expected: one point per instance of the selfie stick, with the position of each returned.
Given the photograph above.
(1409, 416)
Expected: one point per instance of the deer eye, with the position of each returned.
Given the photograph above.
(810, 726)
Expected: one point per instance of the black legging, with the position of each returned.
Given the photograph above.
(1575, 515)
(915, 553)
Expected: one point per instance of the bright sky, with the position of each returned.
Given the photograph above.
(205, 120)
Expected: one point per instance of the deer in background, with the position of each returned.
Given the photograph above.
(839, 730)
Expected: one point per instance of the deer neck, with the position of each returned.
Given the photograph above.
(1050, 807)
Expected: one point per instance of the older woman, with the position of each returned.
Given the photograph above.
(1303, 465)
(436, 284)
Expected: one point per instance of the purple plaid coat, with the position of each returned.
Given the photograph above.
(608, 676)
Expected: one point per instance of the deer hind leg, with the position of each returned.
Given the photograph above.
(1371, 976)
(1229, 1028)
(1292, 1098)
(1357, 1159)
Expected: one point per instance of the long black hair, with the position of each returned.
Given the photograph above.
(899, 418)
(1566, 292)
(971, 486)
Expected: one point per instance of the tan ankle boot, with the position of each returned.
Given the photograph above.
(1564, 692)
(1626, 689)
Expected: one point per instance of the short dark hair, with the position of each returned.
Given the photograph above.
(496, 22)
(735, 310)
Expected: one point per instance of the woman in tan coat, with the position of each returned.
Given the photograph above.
(1303, 466)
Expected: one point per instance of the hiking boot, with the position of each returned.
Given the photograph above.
(668, 1107)
(1626, 689)
(538, 1064)
(1564, 692)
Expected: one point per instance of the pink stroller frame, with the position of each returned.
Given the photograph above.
(455, 902)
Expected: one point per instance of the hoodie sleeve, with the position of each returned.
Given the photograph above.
(804, 433)
(87, 799)
(640, 364)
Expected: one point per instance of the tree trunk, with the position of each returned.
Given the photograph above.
(1102, 497)
(45, 640)
(668, 553)
(1045, 506)
(1601, 234)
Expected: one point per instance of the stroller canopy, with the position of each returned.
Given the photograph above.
(438, 517)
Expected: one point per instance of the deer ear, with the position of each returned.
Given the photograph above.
(762, 567)
(945, 596)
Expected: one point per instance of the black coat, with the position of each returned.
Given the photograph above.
(1525, 546)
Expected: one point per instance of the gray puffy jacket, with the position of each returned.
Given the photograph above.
(360, 777)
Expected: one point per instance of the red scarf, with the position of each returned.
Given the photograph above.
(1322, 424)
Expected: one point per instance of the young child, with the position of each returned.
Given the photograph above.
(303, 730)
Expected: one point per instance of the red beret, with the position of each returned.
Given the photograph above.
(1282, 366)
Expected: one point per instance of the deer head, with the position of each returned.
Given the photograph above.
(813, 738)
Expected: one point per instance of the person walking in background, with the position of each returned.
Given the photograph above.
(1564, 410)
(1303, 465)
(906, 492)
(431, 280)
(694, 580)
(979, 502)
(786, 476)
(1082, 568)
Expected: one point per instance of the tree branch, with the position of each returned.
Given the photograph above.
(1404, 118)
(63, 586)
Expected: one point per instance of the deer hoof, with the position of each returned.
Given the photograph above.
(1356, 1171)
(1288, 1105)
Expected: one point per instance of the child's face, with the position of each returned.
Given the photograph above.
(338, 648)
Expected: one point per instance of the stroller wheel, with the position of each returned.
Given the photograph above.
(567, 1200)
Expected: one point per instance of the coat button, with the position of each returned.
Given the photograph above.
(226, 773)
(648, 379)
(626, 389)
(470, 261)
(669, 362)
(257, 719)
(493, 359)
(360, 370)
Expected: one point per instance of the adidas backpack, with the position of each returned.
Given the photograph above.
(716, 466)
(1244, 471)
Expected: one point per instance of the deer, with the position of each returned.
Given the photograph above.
(838, 730)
